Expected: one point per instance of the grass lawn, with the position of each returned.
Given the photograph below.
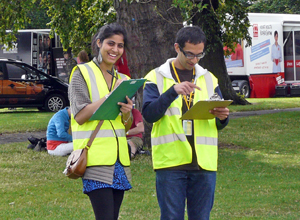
(258, 176)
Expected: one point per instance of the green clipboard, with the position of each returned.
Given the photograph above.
(109, 109)
(201, 109)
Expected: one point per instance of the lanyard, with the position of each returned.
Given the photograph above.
(185, 99)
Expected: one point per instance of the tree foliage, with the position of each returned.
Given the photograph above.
(76, 21)
(13, 17)
(38, 17)
(231, 20)
(276, 6)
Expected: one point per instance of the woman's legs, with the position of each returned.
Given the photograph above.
(106, 203)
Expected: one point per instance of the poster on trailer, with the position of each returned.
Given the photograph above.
(266, 52)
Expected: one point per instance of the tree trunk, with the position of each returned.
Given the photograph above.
(151, 37)
(214, 59)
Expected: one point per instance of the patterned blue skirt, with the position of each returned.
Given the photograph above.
(120, 181)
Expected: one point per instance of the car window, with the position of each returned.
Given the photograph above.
(15, 72)
(22, 72)
(33, 74)
(1, 71)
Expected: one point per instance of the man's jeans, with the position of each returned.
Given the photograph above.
(173, 187)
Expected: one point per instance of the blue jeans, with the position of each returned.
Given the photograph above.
(173, 187)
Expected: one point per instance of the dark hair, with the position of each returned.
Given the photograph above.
(275, 33)
(190, 34)
(107, 31)
(83, 56)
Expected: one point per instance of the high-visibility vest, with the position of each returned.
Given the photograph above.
(170, 147)
(110, 142)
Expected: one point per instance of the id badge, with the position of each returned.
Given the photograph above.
(187, 127)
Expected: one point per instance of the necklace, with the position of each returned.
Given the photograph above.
(188, 103)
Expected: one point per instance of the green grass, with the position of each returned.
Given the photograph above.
(258, 176)
(267, 104)
(23, 120)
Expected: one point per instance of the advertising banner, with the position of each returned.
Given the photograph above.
(266, 52)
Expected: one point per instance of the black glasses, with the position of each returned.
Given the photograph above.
(191, 56)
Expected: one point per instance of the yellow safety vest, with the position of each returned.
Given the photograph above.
(170, 147)
(110, 143)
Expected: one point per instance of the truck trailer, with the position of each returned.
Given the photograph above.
(37, 49)
(271, 66)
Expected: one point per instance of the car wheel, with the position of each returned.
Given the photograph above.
(245, 89)
(55, 102)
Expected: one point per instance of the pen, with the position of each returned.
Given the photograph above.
(111, 73)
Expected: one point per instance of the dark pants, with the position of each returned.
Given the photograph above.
(106, 203)
(175, 187)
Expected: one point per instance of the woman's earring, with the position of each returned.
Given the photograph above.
(99, 57)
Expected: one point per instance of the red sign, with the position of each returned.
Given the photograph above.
(255, 30)
(288, 64)
(297, 63)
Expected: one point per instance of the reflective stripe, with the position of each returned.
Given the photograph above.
(159, 81)
(209, 84)
(94, 89)
(120, 133)
(123, 76)
(103, 133)
(172, 111)
(168, 138)
(207, 141)
(85, 134)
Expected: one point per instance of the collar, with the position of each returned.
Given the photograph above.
(165, 70)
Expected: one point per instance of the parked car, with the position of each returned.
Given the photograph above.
(22, 85)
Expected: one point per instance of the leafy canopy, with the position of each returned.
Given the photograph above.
(13, 17)
(76, 21)
(231, 16)
(275, 6)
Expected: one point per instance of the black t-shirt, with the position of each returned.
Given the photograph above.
(186, 75)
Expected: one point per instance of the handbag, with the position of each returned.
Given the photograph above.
(76, 163)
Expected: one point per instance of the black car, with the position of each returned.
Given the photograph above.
(22, 85)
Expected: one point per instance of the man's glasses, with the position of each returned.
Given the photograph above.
(191, 56)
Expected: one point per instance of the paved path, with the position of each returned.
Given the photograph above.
(261, 112)
(22, 137)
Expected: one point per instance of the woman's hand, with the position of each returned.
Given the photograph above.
(126, 108)
(126, 113)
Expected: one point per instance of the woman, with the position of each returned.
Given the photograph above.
(107, 175)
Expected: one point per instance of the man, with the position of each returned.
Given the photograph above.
(276, 54)
(184, 151)
(59, 141)
(70, 63)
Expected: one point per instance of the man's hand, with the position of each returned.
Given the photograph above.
(221, 113)
(185, 88)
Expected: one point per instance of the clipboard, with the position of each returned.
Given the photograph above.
(201, 109)
(109, 110)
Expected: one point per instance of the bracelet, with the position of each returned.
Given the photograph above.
(125, 121)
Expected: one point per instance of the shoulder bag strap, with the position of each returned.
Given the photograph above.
(94, 134)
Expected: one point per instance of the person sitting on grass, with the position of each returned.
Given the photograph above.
(59, 141)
